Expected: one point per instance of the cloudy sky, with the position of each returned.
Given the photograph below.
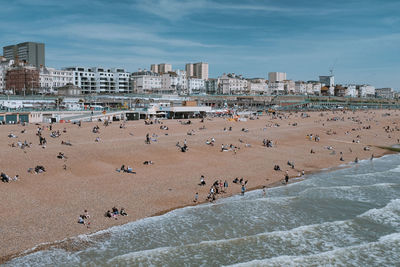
(359, 39)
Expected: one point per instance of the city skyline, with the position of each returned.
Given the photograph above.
(358, 39)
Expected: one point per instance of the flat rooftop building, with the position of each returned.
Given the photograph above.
(29, 52)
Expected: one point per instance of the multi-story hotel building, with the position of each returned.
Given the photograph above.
(50, 79)
(100, 80)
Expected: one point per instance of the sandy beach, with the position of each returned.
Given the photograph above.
(44, 207)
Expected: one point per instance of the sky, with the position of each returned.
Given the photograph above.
(358, 39)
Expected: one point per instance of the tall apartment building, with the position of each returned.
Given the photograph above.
(161, 68)
(29, 52)
(197, 70)
(51, 79)
(145, 82)
(22, 79)
(274, 77)
(100, 80)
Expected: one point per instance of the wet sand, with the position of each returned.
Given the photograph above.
(41, 208)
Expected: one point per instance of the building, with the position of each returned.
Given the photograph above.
(366, 91)
(197, 70)
(196, 86)
(232, 84)
(289, 87)
(29, 52)
(174, 82)
(257, 86)
(384, 93)
(69, 90)
(276, 88)
(22, 79)
(274, 77)
(100, 80)
(212, 86)
(50, 79)
(5, 64)
(327, 80)
(161, 68)
(145, 82)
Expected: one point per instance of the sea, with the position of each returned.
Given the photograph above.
(344, 217)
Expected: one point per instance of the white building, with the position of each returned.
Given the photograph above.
(50, 79)
(351, 91)
(276, 88)
(174, 82)
(145, 82)
(232, 84)
(196, 86)
(366, 91)
(257, 86)
(300, 88)
(384, 93)
(316, 88)
(100, 80)
(5, 64)
(274, 77)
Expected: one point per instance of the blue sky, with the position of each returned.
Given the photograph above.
(359, 38)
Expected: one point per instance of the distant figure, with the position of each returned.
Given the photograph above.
(264, 191)
(196, 197)
(356, 160)
(372, 157)
(286, 178)
(243, 189)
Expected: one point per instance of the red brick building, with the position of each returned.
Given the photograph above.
(22, 78)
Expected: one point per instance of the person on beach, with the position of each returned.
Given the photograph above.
(243, 189)
(286, 178)
(264, 191)
(123, 212)
(225, 186)
(202, 182)
(196, 197)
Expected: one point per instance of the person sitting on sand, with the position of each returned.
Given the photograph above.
(115, 211)
(81, 220)
(123, 212)
(236, 180)
(86, 215)
(202, 182)
(148, 162)
(108, 214)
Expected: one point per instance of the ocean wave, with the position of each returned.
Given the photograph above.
(388, 215)
(384, 252)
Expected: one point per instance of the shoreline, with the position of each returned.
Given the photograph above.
(90, 181)
(66, 242)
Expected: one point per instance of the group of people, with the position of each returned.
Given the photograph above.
(84, 218)
(126, 169)
(267, 143)
(6, 179)
(115, 212)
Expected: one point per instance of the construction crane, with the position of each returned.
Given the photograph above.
(332, 67)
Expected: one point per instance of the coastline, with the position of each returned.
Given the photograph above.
(274, 179)
(69, 243)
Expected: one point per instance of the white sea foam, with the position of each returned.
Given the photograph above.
(384, 252)
(388, 215)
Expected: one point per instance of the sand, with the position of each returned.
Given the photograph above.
(44, 207)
